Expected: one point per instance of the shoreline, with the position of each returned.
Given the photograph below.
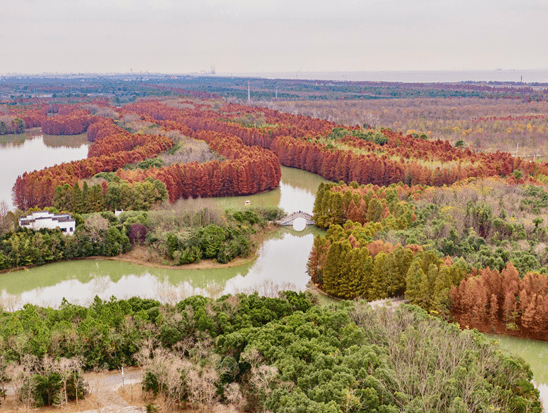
(201, 265)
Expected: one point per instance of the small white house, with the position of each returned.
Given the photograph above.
(46, 220)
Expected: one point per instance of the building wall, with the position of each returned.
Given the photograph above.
(45, 220)
(65, 226)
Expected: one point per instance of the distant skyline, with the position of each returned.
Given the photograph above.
(245, 36)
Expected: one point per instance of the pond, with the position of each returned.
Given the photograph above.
(281, 264)
(26, 152)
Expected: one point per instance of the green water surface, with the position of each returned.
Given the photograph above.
(281, 263)
(535, 353)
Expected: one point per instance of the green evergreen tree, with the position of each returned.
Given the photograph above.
(323, 217)
(337, 213)
(63, 198)
(366, 281)
(113, 197)
(96, 199)
(77, 199)
(85, 199)
(161, 191)
(426, 287)
(352, 270)
(378, 284)
(317, 210)
(347, 199)
(396, 267)
(374, 211)
(126, 196)
(332, 270)
(413, 279)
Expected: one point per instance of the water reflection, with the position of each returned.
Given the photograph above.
(535, 353)
(26, 153)
(296, 192)
(12, 140)
(281, 264)
(50, 141)
(67, 141)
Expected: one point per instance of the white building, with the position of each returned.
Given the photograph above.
(46, 220)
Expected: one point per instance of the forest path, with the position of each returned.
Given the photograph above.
(104, 386)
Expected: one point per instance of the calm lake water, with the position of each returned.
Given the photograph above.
(281, 263)
(26, 153)
(535, 353)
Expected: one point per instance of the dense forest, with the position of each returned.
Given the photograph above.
(260, 354)
(450, 251)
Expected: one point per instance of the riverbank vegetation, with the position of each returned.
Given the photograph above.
(253, 353)
(175, 236)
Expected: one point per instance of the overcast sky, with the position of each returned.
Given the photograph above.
(180, 36)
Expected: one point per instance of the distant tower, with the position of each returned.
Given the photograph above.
(248, 92)
(276, 93)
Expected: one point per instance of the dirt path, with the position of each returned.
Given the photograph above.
(105, 386)
(105, 390)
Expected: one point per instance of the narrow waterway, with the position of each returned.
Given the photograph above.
(280, 265)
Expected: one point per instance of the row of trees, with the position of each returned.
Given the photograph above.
(38, 187)
(245, 171)
(116, 195)
(204, 119)
(337, 164)
(337, 203)
(58, 119)
(95, 237)
(502, 300)
(73, 124)
(346, 263)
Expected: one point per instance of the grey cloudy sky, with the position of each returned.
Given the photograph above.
(180, 36)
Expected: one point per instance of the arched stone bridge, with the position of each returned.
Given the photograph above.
(288, 220)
